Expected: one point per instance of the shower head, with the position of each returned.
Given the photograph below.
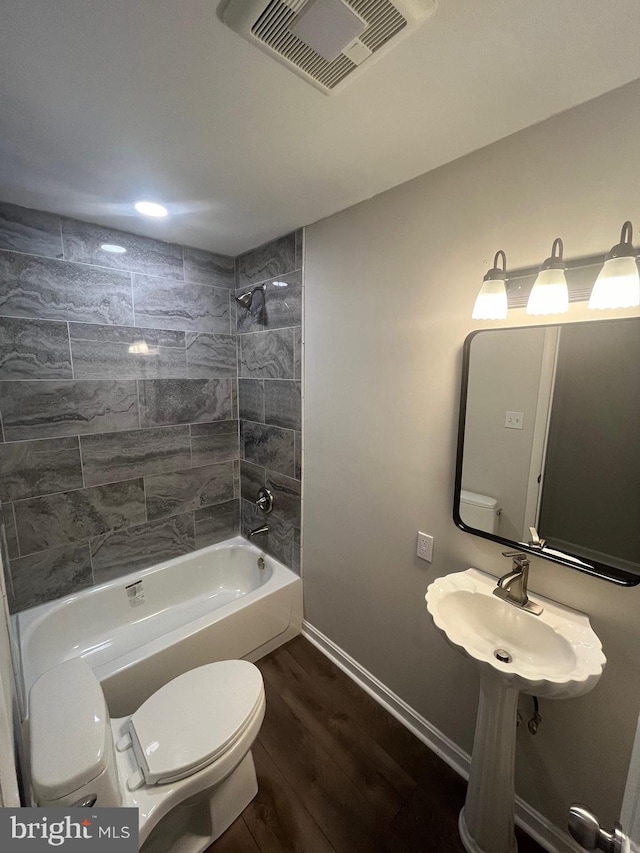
(246, 299)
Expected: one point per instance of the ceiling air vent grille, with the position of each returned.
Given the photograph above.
(272, 28)
(271, 25)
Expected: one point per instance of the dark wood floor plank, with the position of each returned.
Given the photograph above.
(410, 753)
(428, 821)
(343, 814)
(378, 776)
(277, 818)
(315, 792)
(237, 839)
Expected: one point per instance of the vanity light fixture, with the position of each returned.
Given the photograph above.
(618, 284)
(151, 208)
(550, 294)
(491, 302)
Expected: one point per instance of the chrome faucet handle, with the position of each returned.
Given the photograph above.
(264, 500)
(519, 559)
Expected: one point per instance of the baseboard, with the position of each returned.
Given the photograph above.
(536, 825)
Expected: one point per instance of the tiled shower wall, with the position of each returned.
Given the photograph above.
(118, 399)
(119, 442)
(270, 371)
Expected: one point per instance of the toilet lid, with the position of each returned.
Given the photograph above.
(195, 718)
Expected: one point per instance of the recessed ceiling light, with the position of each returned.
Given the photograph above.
(150, 208)
(113, 248)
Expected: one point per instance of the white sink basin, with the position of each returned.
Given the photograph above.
(556, 655)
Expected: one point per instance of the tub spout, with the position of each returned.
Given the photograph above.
(257, 531)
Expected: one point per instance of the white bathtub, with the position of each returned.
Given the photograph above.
(139, 631)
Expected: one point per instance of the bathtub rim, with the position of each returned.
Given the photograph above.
(27, 621)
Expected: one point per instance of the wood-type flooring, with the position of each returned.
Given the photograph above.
(338, 774)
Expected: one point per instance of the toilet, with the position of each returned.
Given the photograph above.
(183, 759)
(481, 512)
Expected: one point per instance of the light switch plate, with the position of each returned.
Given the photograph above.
(514, 420)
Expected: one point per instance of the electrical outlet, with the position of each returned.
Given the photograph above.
(425, 546)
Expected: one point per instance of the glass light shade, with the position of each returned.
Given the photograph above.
(617, 286)
(549, 294)
(491, 302)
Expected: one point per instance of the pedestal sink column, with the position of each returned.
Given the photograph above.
(486, 821)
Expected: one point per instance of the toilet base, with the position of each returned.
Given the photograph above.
(192, 828)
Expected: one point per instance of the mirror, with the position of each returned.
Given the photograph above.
(549, 439)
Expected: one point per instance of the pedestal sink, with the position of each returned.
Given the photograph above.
(554, 655)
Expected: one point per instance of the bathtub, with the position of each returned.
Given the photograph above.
(139, 631)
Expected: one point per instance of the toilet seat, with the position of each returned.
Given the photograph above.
(194, 719)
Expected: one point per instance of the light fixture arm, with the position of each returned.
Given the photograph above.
(497, 273)
(623, 249)
(555, 261)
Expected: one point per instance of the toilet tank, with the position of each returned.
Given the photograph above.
(479, 511)
(70, 742)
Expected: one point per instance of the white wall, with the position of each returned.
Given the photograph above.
(390, 286)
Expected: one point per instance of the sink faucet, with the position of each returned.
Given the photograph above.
(512, 587)
(257, 531)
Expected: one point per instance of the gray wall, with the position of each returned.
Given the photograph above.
(111, 460)
(393, 284)
(270, 392)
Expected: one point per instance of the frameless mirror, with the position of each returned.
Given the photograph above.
(549, 443)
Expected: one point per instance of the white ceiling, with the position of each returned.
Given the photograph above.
(106, 101)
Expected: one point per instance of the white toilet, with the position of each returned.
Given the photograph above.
(183, 759)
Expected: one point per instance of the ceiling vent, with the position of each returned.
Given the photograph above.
(326, 42)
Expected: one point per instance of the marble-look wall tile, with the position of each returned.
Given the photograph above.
(283, 302)
(236, 478)
(31, 468)
(51, 520)
(207, 268)
(31, 231)
(269, 446)
(296, 556)
(211, 355)
(267, 355)
(299, 240)
(251, 319)
(184, 491)
(216, 523)
(135, 548)
(116, 456)
(282, 403)
(165, 304)
(47, 289)
(50, 574)
(252, 479)
(82, 242)
(10, 534)
(67, 407)
(298, 456)
(34, 349)
(126, 352)
(251, 397)
(286, 497)
(275, 258)
(184, 401)
(278, 541)
(297, 353)
(216, 442)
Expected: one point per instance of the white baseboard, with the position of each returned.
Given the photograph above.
(536, 825)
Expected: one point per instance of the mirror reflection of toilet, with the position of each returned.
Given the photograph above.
(183, 758)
